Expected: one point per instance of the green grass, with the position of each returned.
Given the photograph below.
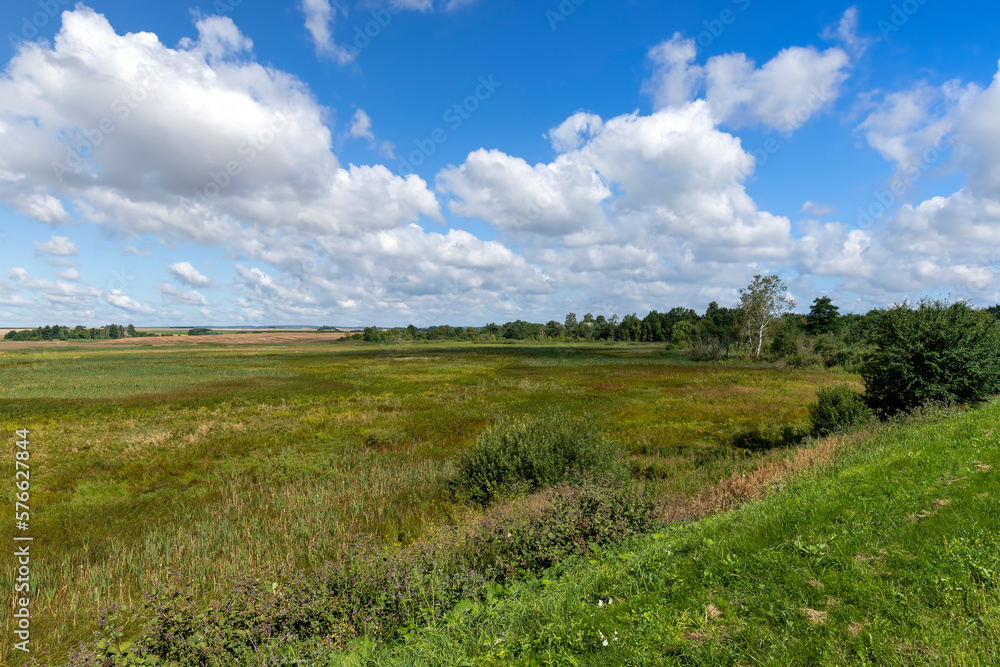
(890, 555)
(215, 461)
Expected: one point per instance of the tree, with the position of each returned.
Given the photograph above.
(761, 302)
(934, 352)
(631, 328)
(720, 328)
(570, 323)
(683, 332)
(824, 317)
(600, 328)
(130, 330)
(373, 335)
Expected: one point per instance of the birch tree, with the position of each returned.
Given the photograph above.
(761, 302)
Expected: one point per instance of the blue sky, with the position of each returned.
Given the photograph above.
(464, 161)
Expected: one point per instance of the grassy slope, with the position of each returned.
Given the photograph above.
(890, 555)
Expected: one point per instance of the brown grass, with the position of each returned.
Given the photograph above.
(743, 487)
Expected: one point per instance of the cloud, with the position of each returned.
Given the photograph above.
(218, 38)
(783, 93)
(675, 80)
(60, 246)
(574, 131)
(189, 275)
(40, 205)
(817, 210)
(669, 178)
(263, 158)
(174, 296)
(320, 18)
(69, 274)
(902, 126)
(361, 126)
(123, 301)
(846, 33)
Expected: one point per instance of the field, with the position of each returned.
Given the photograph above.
(213, 460)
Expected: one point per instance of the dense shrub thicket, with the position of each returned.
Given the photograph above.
(935, 352)
(530, 454)
(837, 408)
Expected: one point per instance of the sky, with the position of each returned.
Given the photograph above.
(372, 162)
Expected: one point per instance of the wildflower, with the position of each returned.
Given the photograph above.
(600, 603)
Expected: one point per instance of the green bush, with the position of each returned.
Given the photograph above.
(534, 453)
(935, 352)
(805, 360)
(570, 519)
(837, 408)
(848, 358)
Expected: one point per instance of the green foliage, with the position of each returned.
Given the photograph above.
(571, 519)
(58, 332)
(936, 352)
(534, 453)
(373, 335)
(824, 317)
(200, 331)
(837, 408)
(761, 302)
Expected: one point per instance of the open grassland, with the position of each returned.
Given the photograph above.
(215, 460)
(179, 338)
(889, 555)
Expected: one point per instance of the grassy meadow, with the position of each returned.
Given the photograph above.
(213, 461)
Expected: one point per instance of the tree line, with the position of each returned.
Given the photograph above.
(762, 327)
(79, 332)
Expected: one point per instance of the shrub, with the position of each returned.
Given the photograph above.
(535, 453)
(836, 408)
(805, 360)
(848, 358)
(570, 519)
(935, 352)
